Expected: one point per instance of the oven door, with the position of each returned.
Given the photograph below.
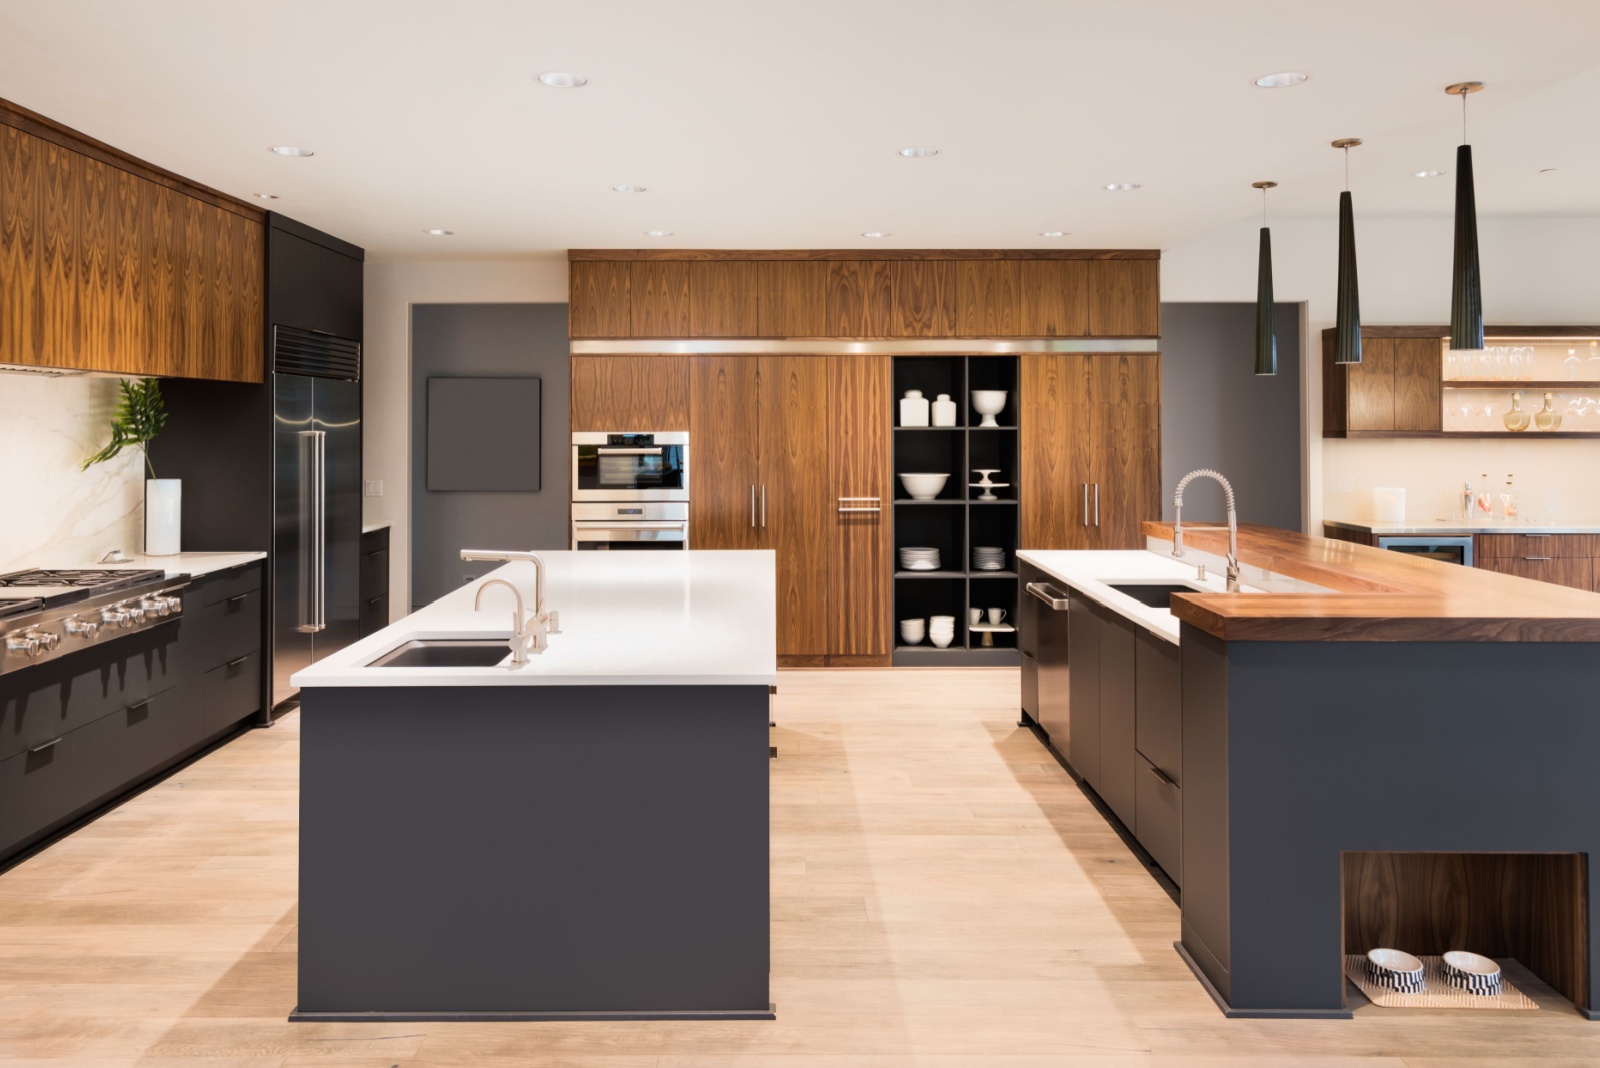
(626, 527)
(630, 467)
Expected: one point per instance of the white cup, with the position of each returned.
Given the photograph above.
(997, 616)
(976, 614)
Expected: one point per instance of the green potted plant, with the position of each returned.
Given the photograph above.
(139, 417)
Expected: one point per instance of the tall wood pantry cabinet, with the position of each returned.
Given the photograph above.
(1091, 448)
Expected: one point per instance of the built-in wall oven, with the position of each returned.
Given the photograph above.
(630, 491)
(1457, 550)
(630, 467)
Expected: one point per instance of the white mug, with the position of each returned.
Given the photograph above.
(997, 616)
(977, 615)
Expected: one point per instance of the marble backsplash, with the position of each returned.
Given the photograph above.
(52, 512)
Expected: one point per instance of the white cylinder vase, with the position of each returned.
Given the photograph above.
(163, 515)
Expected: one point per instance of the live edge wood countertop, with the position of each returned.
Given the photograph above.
(1379, 596)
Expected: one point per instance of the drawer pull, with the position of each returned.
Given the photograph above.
(236, 663)
(240, 597)
(373, 600)
(1538, 558)
(1049, 595)
(46, 745)
(1163, 776)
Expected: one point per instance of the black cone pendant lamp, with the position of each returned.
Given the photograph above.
(1266, 338)
(1347, 309)
(1466, 288)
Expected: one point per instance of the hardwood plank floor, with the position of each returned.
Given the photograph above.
(943, 896)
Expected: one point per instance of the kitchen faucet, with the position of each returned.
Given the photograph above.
(1232, 528)
(543, 624)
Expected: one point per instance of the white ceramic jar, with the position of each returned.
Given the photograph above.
(944, 411)
(913, 408)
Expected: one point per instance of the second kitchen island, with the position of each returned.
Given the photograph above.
(584, 836)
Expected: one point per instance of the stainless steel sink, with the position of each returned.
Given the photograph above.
(445, 652)
(1156, 594)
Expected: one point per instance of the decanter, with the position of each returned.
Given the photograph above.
(1547, 418)
(1516, 419)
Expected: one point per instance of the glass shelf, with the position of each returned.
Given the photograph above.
(1481, 409)
(1533, 363)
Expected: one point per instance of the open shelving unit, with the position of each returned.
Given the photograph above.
(956, 521)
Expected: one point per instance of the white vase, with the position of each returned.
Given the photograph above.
(163, 515)
(944, 411)
(913, 408)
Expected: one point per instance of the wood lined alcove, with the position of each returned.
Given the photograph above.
(1531, 906)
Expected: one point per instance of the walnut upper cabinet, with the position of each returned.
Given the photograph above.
(105, 268)
(629, 394)
(831, 294)
(1395, 389)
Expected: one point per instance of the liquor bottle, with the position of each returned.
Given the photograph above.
(1485, 501)
(1466, 503)
(1508, 500)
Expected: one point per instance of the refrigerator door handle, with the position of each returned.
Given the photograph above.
(313, 615)
(322, 529)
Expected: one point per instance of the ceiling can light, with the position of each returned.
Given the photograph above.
(1427, 174)
(1121, 187)
(1347, 305)
(1052, 233)
(556, 79)
(439, 233)
(1466, 285)
(290, 150)
(265, 196)
(875, 233)
(918, 152)
(1266, 337)
(658, 233)
(627, 189)
(1282, 80)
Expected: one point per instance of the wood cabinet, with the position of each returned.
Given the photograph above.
(630, 393)
(104, 268)
(1397, 388)
(1091, 449)
(1563, 559)
(867, 295)
(774, 442)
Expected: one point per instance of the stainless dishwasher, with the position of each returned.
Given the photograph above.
(1054, 699)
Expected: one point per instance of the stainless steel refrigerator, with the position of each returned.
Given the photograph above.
(316, 504)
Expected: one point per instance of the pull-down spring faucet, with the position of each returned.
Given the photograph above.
(1232, 528)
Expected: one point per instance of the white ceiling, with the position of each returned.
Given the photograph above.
(763, 124)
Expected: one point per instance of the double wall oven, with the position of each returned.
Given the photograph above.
(630, 491)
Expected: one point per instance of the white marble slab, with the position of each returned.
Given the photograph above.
(627, 619)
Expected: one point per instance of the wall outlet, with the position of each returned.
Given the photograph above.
(375, 487)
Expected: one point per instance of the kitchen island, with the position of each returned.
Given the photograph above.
(583, 836)
(1358, 749)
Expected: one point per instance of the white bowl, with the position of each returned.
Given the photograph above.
(941, 640)
(912, 631)
(1394, 969)
(988, 403)
(1472, 972)
(923, 486)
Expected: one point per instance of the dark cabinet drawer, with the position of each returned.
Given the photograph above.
(1158, 723)
(374, 574)
(1030, 686)
(220, 585)
(374, 540)
(223, 630)
(1159, 818)
(229, 693)
(1118, 768)
(374, 614)
(145, 738)
(48, 700)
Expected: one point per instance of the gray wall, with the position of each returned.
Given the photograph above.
(1215, 412)
(486, 340)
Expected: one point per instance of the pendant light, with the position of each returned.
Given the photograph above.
(1266, 338)
(1466, 288)
(1347, 310)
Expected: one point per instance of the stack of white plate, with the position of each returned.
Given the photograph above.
(941, 630)
(919, 559)
(988, 558)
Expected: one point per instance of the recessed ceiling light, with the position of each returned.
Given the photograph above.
(265, 196)
(1282, 80)
(1052, 233)
(556, 79)
(290, 150)
(875, 233)
(627, 189)
(1122, 187)
(1427, 174)
(916, 152)
(1546, 170)
(439, 233)
(658, 233)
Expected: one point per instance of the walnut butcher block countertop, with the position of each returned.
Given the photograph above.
(1378, 596)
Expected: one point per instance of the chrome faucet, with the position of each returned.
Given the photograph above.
(1232, 528)
(543, 624)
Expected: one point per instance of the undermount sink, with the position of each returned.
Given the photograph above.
(445, 652)
(1156, 594)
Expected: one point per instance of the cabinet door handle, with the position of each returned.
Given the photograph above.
(1097, 504)
(236, 663)
(843, 501)
(373, 600)
(1086, 504)
(752, 506)
(1163, 776)
(1049, 595)
(46, 745)
(763, 506)
(1538, 558)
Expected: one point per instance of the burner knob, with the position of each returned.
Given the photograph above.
(132, 614)
(48, 640)
(79, 627)
(114, 614)
(25, 643)
(156, 605)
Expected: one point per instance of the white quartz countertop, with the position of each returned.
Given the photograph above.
(1092, 571)
(1441, 527)
(699, 618)
(368, 528)
(195, 564)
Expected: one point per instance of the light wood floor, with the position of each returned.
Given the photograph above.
(943, 895)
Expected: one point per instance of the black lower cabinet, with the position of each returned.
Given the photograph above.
(374, 580)
(1083, 690)
(1117, 703)
(78, 733)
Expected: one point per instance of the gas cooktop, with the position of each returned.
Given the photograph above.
(64, 585)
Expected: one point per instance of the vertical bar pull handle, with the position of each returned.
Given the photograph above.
(1086, 504)
(1097, 504)
(306, 577)
(763, 506)
(322, 530)
(752, 506)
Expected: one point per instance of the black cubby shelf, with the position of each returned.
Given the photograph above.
(955, 522)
